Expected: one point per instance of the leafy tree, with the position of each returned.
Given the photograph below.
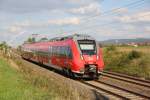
(30, 40)
(44, 39)
(4, 47)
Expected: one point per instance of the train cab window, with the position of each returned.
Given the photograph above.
(87, 47)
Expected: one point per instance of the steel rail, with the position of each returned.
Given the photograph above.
(124, 89)
(126, 78)
(105, 90)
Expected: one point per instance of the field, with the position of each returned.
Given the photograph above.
(129, 60)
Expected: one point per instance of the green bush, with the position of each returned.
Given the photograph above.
(111, 48)
(134, 54)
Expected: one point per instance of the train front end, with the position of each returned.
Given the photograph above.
(89, 62)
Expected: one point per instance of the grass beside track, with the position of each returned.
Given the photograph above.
(128, 60)
(27, 85)
(14, 87)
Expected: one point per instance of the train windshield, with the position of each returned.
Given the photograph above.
(87, 47)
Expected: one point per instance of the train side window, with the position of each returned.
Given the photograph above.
(66, 51)
(61, 52)
(57, 51)
(49, 51)
(69, 54)
(53, 50)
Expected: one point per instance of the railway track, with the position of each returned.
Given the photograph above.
(131, 82)
(113, 91)
(126, 78)
(122, 92)
(105, 91)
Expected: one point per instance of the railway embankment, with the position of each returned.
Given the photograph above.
(24, 80)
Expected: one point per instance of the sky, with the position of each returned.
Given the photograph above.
(102, 19)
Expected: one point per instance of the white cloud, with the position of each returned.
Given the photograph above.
(129, 27)
(66, 21)
(31, 6)
(25, 23)
(147, 28)
(138, 17)
(81, 2)
(30, 24)
(88, 9)
(24, 6)
(145, 16)
(14, 29)
(136, 35)
(121, 10)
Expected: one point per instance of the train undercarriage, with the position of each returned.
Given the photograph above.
(90, 72)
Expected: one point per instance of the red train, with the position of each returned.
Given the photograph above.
(77, 55)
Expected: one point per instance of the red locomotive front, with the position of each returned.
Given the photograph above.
(87, 57)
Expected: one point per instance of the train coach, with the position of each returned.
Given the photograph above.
(77, 55)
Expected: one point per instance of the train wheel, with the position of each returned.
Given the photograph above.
(72, 75)
(66, 72)
(96, 78)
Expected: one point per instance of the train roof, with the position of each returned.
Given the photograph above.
(75, 37)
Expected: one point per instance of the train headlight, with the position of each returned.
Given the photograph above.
(97, 57)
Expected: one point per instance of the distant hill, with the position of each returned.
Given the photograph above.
(125, 41)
